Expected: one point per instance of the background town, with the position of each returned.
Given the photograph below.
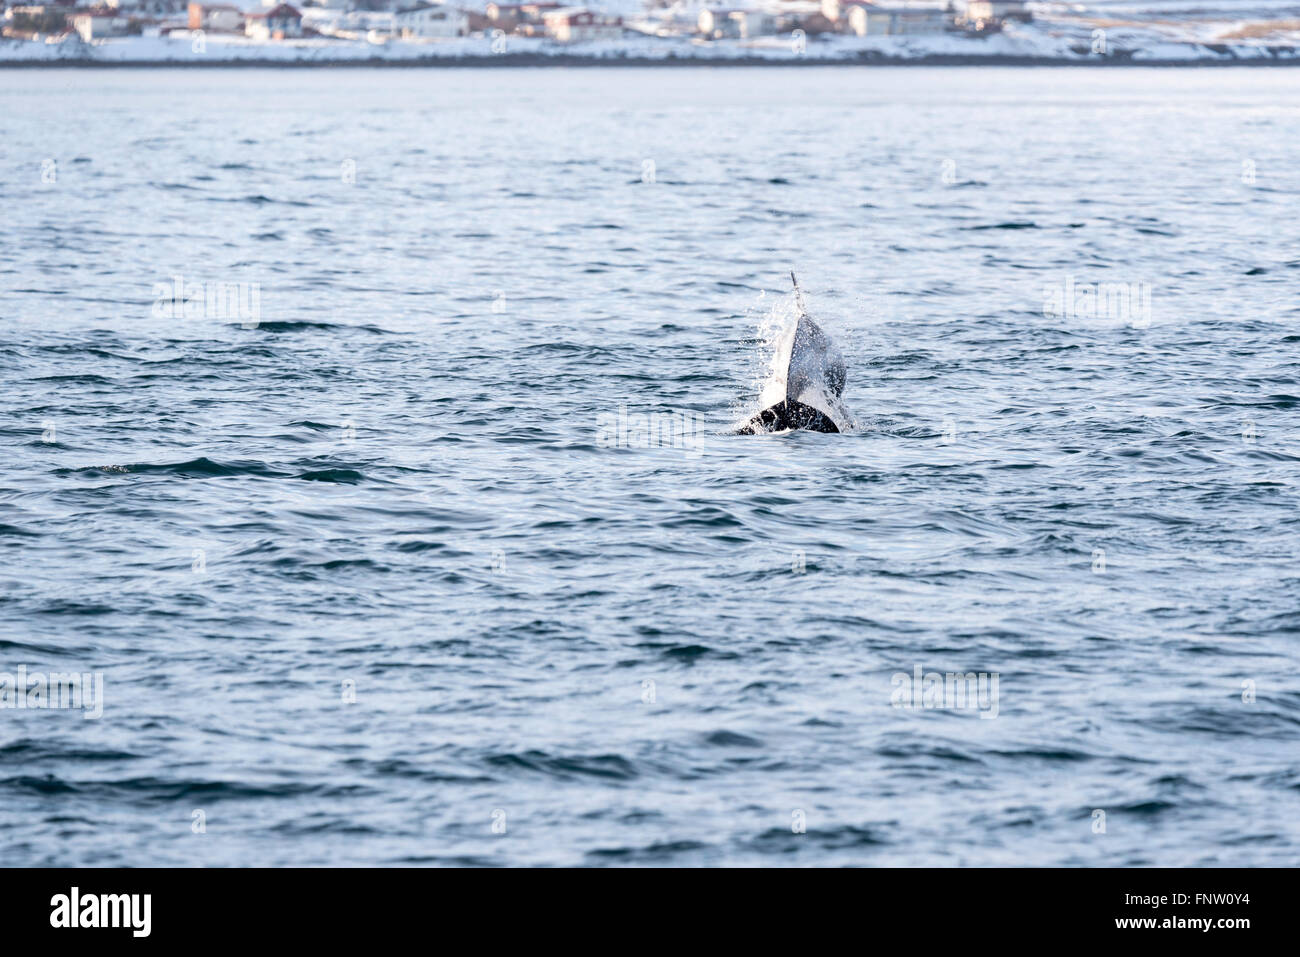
(369, 30)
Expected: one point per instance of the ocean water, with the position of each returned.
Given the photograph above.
(420, 536)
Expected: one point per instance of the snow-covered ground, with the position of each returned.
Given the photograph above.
(1137, 30)
(1173, 28)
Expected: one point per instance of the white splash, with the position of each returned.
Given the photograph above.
(799, 362)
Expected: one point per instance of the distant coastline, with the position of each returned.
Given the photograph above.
(1182, 33)
(528, 60)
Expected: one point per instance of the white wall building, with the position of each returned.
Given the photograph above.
(997, 10)
(152, 8)
(93, 26)
(871, 20)
(719, 22)
(216, 17)
(428, 20)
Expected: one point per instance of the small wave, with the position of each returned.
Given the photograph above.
(337, 476)
(1018, 224)
(598, 766)
(847, 837)
(731, 739)
(661, 852)
(153, 789)
(688, 654)
(26, 749)
(201, 467)
(310, 325)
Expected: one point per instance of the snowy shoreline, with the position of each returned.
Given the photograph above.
(527, 60)
(1020, 45)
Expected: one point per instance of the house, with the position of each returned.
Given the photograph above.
(146, 8)
(868, 19)
(521, 18)
(814, 23)
(988, 11)
(216, 18)
(719, 22)
(580, 25)
(430, 20)
(908, 22)
(805, 15)
(278, 23)
(36, 19)
(675, 21)
(98, 23)
(519, 11)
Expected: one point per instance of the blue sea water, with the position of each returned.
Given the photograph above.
(373, 572)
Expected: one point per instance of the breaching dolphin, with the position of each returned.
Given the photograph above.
(804, 391)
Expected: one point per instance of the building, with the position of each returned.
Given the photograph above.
(347, 24)
(36, 19)
(580, 25)
(805, 15)
(216, 18)
(813, 23)
(146, 8)
(869, 19)
(279, 23)
(519, 11)
(526, 19)
(99, 23)
(718, 23)
(430, 20)
(674, 21)
(988, 11)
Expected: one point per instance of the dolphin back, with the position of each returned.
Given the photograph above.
(816, 363)
(805, 392)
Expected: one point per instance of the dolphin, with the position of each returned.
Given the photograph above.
(805, 391)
